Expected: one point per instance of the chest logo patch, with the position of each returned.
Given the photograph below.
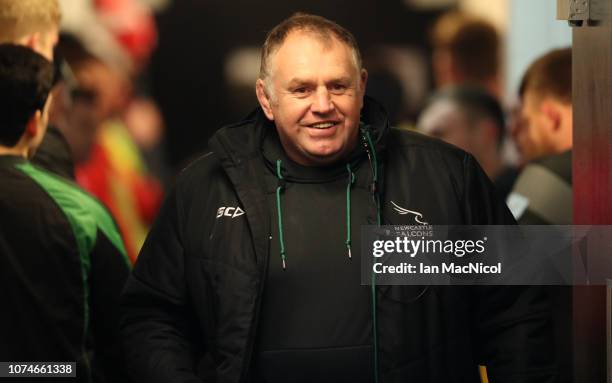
(418, 217)
(229, 211)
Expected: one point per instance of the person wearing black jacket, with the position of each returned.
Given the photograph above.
(62, 261)
(251, 271)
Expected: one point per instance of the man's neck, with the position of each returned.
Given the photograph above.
(13, 151)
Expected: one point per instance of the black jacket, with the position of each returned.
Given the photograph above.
(62, 268)
(193, 300)
(54, 154)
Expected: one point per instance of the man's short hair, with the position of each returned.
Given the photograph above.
(26, 78)
(476, 104)
(550, 75)
(19, 18)
(473, 42)
(319, 26)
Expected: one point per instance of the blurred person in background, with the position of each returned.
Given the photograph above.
(542, 194)
(35, 24)
(110, 164)
(543, 134)
(83, 114)
(62, 261)
(123, 35)
(473, 120)
(125, 163)
(466, 51)
(98, 93)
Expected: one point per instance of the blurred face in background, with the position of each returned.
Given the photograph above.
(314, 95)
(532, 130)
(96, 98)
(110, 87)
(476, 134)
(443, 120)
(83, 120)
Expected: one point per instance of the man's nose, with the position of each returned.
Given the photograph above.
(322, 102)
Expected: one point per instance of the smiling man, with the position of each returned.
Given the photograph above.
(314, 94)
(252, 271)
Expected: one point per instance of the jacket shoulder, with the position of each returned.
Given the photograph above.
(405, 137)
(198, 172)
(408, 140)
(85, 213)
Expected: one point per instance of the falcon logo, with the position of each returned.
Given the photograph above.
(403, 211)
(229, 211)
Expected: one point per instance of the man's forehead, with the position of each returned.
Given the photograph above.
(530, 100)
(325, 39)
(298, 44)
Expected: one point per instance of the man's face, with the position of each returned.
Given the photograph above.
(531, 130)
(315, 95)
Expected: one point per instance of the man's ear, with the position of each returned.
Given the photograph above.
(33, 125)
(264, 98)
(32, 41)
(364, 80)
(551, 113)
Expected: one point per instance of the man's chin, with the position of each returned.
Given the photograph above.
(324, 158)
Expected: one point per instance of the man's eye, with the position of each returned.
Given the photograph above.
(338, 88)
(301, 90)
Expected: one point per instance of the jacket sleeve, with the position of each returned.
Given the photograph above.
(158, 335)
(110, 268)
(481, 203)
(512, 324)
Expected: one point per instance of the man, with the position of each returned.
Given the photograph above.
(62, 262)
(35, 24)
(252, 270)
(471, 119)
(543, 193)
(543, 134)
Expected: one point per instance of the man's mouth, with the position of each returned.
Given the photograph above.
(323, 125)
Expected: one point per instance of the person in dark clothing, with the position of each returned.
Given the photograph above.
(472, 119)
(62, 262)
(251, 271)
